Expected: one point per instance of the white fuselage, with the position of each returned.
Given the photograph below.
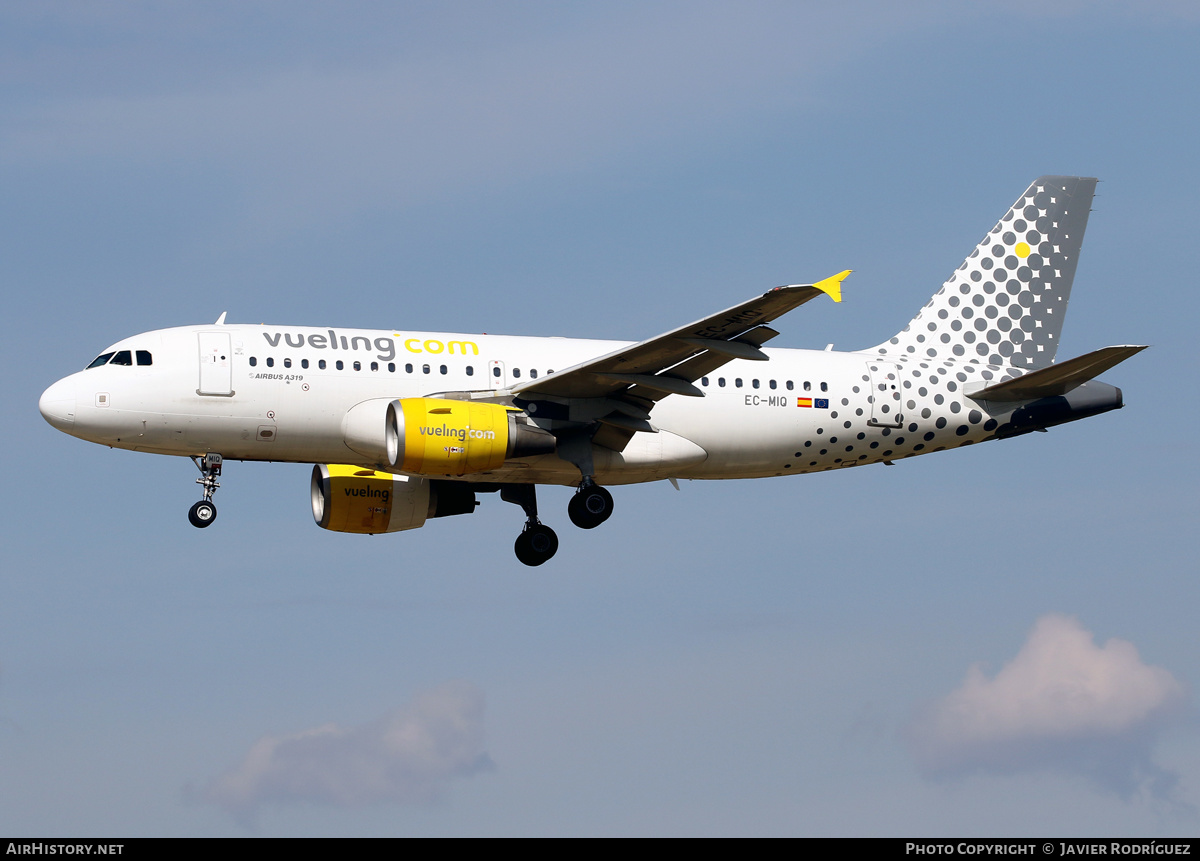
(276, 393)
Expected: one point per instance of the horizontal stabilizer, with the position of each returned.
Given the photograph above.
(1057, 379)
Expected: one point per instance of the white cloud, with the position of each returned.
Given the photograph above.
(1062, 703)
(406, 756)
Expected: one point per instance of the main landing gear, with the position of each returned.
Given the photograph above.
(590, 506)
(537, 542)
(204, 512)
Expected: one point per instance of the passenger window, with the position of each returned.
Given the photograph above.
(358, 366)
(424, 369)
(824, 387)
(470, 371)
(287, 363)
(789, 385)
(253, 361)
(807, 386)
(516, 373)
(321, 364)
(737, 381)
(442, 369)
(721, 382)
(754, 383)
(124, 357)
(495, 372)
(772, 384)
(391, 367)
(408, 368)
(304, 363)
(704, 381)
(341, 366)
(100, 360)
(270, 362)
(533, 374)
(374, 366)
(144, 358)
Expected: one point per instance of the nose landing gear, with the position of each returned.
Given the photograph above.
(203, 513)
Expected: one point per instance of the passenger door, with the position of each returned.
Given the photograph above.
(216, 366)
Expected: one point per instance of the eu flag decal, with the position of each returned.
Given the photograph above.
(821, 403)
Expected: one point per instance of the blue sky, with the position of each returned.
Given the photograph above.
(760, 657)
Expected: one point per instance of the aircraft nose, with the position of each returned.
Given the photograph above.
(57, 404)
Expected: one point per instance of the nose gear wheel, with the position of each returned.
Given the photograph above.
(203, 513)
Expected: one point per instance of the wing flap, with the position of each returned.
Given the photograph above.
(733, 349)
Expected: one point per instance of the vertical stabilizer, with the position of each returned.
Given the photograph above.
(1006, 303)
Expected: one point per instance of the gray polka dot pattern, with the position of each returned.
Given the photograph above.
(1005, 304)
(999, 316)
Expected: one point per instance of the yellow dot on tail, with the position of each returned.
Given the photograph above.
(1022, 249)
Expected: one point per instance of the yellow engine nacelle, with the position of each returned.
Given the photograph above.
(348, 498)
(436, 436)
(352, 499)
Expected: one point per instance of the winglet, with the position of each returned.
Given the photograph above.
(221, 319)
(832, 286)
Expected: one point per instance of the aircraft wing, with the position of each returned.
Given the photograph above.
(609, 398)
(669, 363)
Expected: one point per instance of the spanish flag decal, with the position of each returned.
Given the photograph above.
(804, 402)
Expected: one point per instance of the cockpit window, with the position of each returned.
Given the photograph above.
(123, 357)
(102, 359)
(144, 357)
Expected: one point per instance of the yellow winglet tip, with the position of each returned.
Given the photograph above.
(832, 286)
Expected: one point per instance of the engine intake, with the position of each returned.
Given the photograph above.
(436, 436)
(349, 498)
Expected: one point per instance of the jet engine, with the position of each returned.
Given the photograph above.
(439, 436)
(349, 498)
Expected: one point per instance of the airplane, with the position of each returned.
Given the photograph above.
(406, 426)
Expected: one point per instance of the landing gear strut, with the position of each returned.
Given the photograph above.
(537, 542)
(204, 512)
(590, 506)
